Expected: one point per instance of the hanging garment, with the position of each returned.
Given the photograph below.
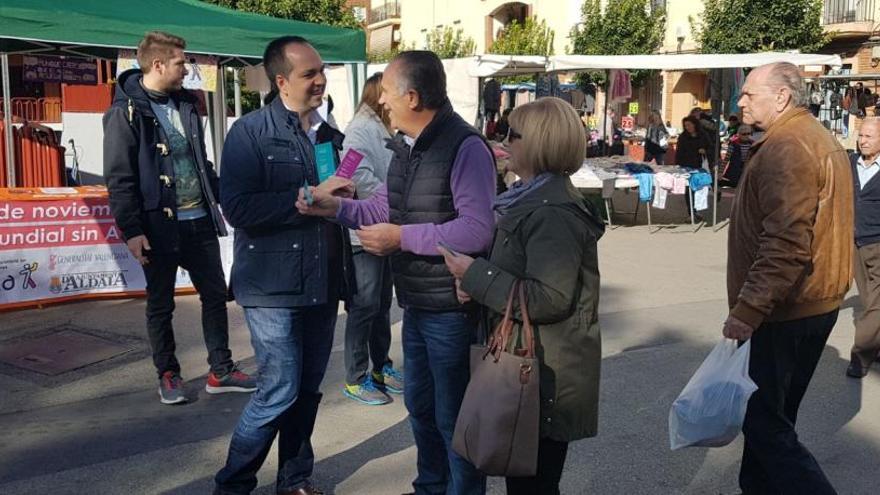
(608, 188)
(679, 184)
(621, 86)
(660, 197)
(701, 199)
(646, 187)
(663, 183)
(700, 180)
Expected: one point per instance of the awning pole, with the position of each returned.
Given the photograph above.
(605, 136)
(7, 122)
(236, 79)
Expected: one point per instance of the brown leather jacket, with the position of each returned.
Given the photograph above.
(790, 244)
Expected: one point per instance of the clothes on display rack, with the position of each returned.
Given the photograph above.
(621, 86)
(608, 188)
(646, 186)
(679, 183)
(663, 182)
(700, 183)
(638, 168)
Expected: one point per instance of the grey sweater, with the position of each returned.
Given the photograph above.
(367, 134)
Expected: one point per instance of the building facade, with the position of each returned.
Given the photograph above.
(482, 20)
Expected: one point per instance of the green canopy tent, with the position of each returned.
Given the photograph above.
(98, 28)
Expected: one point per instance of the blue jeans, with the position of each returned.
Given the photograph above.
(292, 347)
(436, 349)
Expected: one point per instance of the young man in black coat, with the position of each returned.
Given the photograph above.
(163, 195)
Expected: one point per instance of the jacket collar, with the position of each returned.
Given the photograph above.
(558, 191)
(281, 116)
(437, 125)
(129, 87)
(781, 122)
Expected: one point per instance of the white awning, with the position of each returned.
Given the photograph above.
(686, 61)
(506, 65)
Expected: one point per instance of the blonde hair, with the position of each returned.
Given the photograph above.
(157, 45)
(553, 136)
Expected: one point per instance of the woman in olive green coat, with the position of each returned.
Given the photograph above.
(546, 237)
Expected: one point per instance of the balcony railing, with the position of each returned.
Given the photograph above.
(388, 10)
(844, 11)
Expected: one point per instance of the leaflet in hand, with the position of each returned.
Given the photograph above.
(349, 164)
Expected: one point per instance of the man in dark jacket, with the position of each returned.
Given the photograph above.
(163, 195)
(440, 186)
(865, 166)
(288, 269)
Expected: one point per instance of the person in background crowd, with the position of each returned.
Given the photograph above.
(737, 156)
(163, 195)
(693, 144)
(789, 265)
(656, 140)
(289, 271)
(709, 127)
(503, 126)
(440, 186)
(491, 99)
(546, 238)
(732, 125)
(368, 326)
(865, 166)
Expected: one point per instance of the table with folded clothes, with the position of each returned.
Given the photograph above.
(654, 182)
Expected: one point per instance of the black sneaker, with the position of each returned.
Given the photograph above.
(171, 388)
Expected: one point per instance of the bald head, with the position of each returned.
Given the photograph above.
(869, 138)
(770, 91)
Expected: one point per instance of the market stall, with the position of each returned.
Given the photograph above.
(100, 29)
(503, 65)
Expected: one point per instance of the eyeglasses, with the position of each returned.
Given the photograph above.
(513, 135)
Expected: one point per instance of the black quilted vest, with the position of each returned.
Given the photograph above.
(419, 191)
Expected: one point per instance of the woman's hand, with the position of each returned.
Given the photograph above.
(463, 297)
(457, 263)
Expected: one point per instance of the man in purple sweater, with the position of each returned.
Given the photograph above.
(440, 188)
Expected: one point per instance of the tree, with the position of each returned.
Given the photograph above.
(327, 12)
(625, 27)
(447, 43)
(743, 26)
(387, 55)
(528, 38)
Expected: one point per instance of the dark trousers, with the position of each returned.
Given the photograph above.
(551, 460)
(784, 356)
(292, 347)
(867, 275)
(199, 255)
(436, 355)
(659, 158)
(368, 326)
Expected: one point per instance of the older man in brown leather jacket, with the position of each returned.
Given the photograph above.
(789, 266)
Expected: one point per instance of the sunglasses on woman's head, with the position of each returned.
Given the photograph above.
(513, 135)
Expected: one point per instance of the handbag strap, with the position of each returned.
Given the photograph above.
(528, 333)
(501, 335)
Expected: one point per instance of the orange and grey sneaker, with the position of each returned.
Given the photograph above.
(234, 381)
(171, 388)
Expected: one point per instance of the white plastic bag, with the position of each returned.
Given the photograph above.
(710, 410)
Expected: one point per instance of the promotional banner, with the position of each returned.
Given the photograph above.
(202, 69)
(59, 70)
(62, 243)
